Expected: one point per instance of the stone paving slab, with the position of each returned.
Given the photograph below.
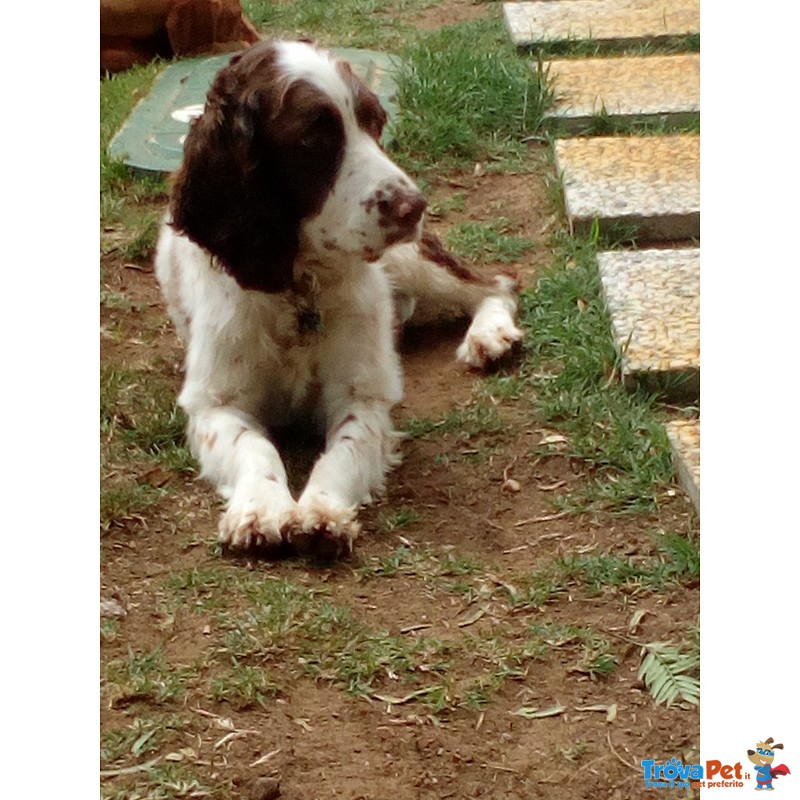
(628, 89)
(684, 439)
(650, 182)
(620, 21)
(152, 136)
(653, 298)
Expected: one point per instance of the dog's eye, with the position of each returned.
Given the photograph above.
(317, 132)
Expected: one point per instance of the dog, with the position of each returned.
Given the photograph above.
(292, 246)
(137, 31)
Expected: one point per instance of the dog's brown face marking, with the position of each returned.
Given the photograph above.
(368, 110)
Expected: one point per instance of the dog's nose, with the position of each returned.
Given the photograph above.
(409, 208)
(401, 211)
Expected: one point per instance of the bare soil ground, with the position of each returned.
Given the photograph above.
(441, 567)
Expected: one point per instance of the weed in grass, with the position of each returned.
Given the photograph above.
(109, 628)
(243, 686)
(276, 613)
(202, 589)
(487, 242)
(596, 658)
(141, 437)
(572, 753)
(554, 634)
(480, 691)
(397, 519)
(533, 590)
(680, 555)
(141, 244)
(112, 299)
(143, 736)
(169, 781)
(403, 558)
(425, 563)
(124, 499)
(146, 677)
(597, 664)
(502, 386)
(454, 202)
(283, 619)
(337, 647)
(604, 572)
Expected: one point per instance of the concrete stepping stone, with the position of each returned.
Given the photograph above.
(684, 440)
(653, 298)
(629, 89)
(650, 182)
(621, 21)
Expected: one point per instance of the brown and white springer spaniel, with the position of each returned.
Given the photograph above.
(291, 238)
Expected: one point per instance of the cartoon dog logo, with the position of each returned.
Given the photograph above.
(762, 757)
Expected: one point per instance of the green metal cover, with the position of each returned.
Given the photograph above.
(152, 136)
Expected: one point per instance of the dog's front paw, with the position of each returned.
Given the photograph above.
(491, 335)
(255, 524)
(323, 530)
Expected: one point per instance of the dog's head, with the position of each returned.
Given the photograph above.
(764, 753)
(287, 156)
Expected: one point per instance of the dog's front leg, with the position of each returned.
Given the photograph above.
(359, 450)
(238, 458)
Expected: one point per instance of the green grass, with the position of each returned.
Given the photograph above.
(572, 367)
(282, 619)
(676, 562)
(138, 411)
(605, 124)
(130, 202)
(465, 95)
(346, 23)
(477, 419)
(492, 241)
(591, 48)
(143, 445)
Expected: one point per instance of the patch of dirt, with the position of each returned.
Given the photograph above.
(451, 13)
(327, 743)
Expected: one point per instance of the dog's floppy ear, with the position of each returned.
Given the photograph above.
(224, 197)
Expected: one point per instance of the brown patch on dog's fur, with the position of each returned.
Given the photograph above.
(432, 249)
